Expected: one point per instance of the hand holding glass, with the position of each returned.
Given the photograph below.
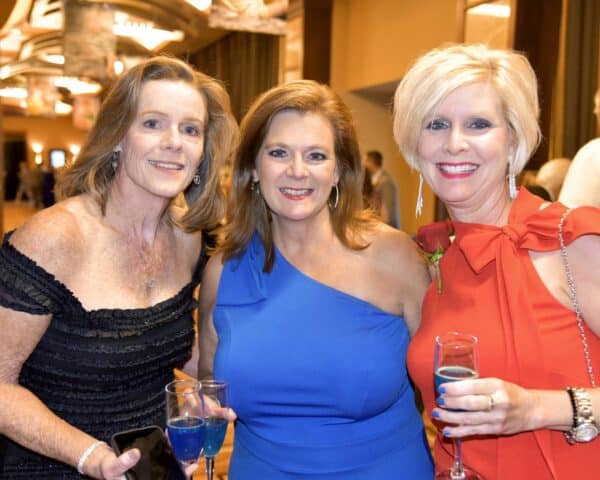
(455, 359)
(216, 403)
(185, 419)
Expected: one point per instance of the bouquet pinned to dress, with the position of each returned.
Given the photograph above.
(433, 240)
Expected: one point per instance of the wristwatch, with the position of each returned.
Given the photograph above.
(584, 428)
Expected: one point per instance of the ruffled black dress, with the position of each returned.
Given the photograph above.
(102, 371)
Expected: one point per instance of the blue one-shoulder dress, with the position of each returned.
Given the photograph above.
(317, 378)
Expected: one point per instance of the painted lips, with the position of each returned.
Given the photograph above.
(296, 193)
(166, 165)
(457, 170)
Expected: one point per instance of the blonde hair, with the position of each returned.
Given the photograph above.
(93, 172)
(247, 210)
(441, 71)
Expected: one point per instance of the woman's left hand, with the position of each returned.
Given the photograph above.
(490, 406)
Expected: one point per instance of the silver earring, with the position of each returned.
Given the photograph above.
(337, 197)
(255, 187)
(512, 186)
(196, 179)
(114, 161)
(419, 207)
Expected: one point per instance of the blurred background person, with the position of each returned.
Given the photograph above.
(97, 290)
(466, 118)
(24, 188)
(371, 198)
(313, 301)
(582, 183)
(551, 176)
(385, 188)
(48, 184)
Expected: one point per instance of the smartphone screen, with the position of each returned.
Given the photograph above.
(157, 462)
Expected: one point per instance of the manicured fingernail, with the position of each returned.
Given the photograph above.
(435, 414)
(446, 432)
(441, 390)
(440, 401)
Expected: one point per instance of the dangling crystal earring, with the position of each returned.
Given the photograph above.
(419, 207)
(512, 186)
(196, 179)
(255, 187)
(114, 161)
(337, 197)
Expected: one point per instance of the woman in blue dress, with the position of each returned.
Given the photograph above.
(313, 302)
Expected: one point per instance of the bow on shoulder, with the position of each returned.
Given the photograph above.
(481, 244)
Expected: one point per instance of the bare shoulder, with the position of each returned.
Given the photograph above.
(394, 246)
(54, 237)
(402, 271)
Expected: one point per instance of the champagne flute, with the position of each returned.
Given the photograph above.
(185, 419)
(216, 403)
(455, 359)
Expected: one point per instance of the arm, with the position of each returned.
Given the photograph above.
(417, 279)
(518, 409)
(27, 421)
(404, 276)
(23, 417)
(584, 260)
(207, 336)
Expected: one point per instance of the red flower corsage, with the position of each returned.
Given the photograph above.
(434, 239)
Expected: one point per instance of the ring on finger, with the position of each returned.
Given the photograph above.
(491, 403)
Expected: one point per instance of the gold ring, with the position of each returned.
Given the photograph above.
(490, 404)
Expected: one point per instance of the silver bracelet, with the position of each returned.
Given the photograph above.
(87, 454)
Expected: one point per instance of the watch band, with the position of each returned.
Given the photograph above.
(573, 405)
(584, 428)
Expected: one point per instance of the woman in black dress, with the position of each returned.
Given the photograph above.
(96, 292)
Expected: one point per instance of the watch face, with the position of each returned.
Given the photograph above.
(586, 432)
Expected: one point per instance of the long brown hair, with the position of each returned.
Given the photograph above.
(93, 173)
(247, 210)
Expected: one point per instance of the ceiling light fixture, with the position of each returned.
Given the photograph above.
(77, 86)
(491, 10)
(19, 93)
(144, 32)
(62, 108)
(201, 5)
(55, 59)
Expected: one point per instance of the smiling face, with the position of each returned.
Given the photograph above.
(161, 151)
(464, 148)
(296, 166)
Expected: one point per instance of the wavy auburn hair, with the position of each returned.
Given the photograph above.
(248, 212)
(93, 173)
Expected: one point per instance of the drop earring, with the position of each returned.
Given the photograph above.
(337, 197)
(419, 207)
(114, 161)
(512, 186)
(196, 179)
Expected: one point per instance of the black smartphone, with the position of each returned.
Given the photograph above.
(158, 461)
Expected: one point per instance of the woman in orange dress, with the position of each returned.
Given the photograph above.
(466, 118)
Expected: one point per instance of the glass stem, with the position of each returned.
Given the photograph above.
(210, 467)
(457, 472)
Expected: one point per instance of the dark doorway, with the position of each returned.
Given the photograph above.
(14, 153)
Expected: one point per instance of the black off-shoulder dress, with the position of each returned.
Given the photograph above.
(102, 371)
